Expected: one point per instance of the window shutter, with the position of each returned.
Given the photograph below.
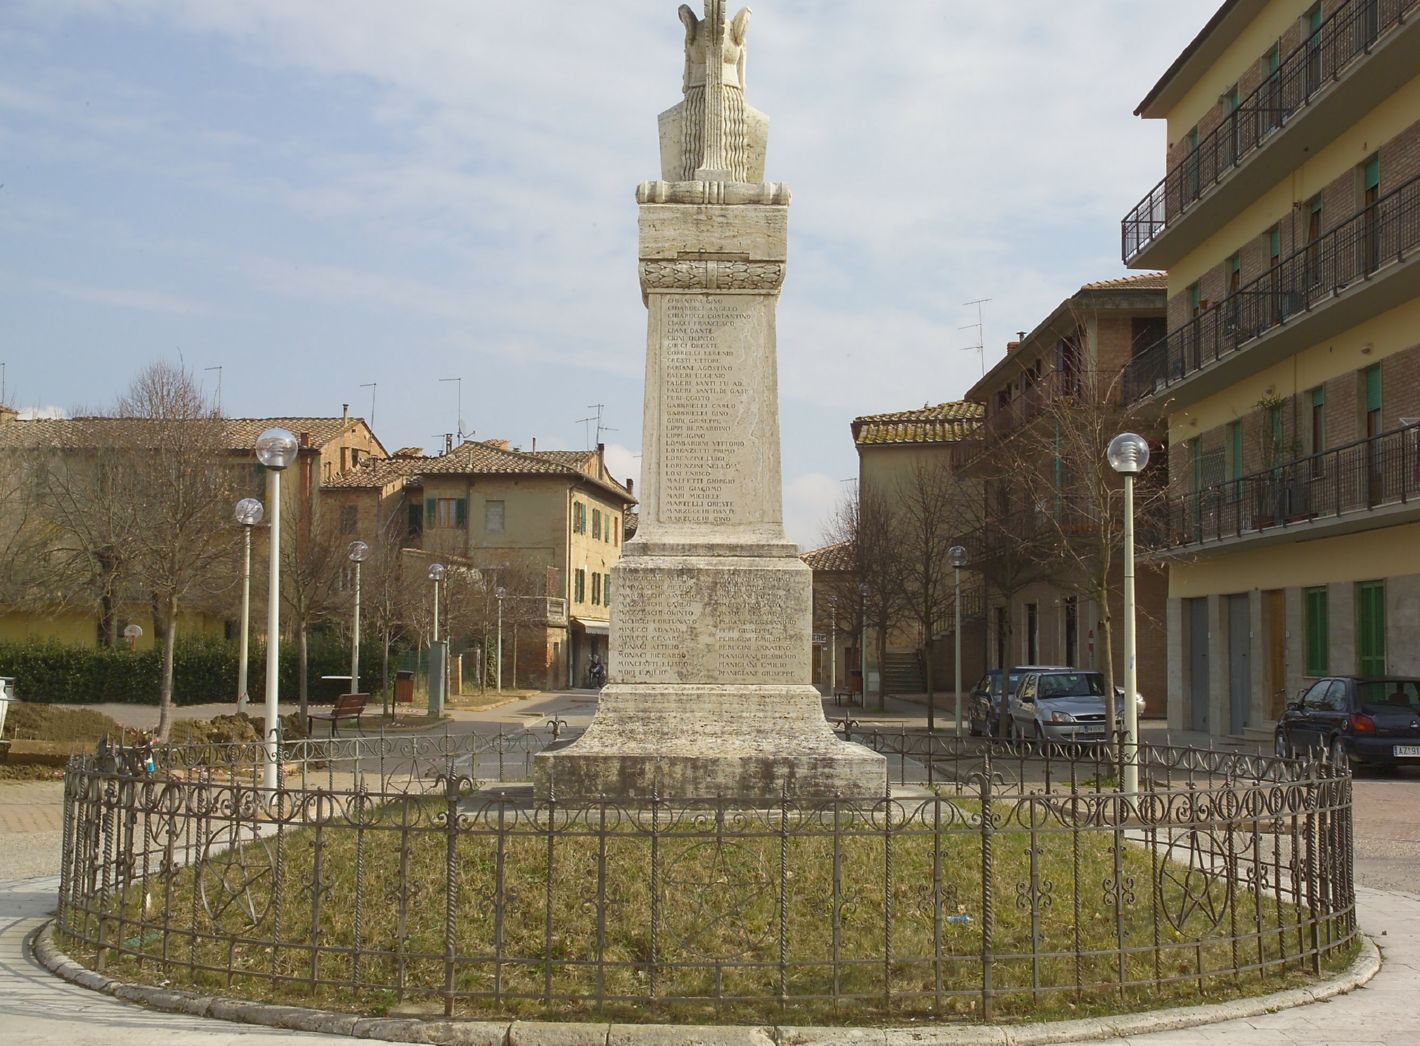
(431, 509)
(461, 512)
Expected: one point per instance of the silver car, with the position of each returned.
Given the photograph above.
(1060, 705)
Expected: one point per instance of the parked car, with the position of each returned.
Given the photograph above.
(1060, 704)
(1368, 721)
(1139, 701)
(984, 702)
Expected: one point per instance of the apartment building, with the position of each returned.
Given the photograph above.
(910, 470)
(544, 526)
(1288, 220)
(1042, 605)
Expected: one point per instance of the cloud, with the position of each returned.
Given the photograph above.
(624, 463)
(809, 504)
(121, 298)
(48, 413)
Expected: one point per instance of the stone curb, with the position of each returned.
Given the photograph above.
(548, 1033)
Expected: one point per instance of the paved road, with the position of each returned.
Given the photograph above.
(36, 1008)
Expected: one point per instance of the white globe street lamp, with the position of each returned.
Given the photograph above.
(1128, 455)
(249, 513)
(276, 449)
(500, 593)
(957, 555)
(437, 681)
(358, 553)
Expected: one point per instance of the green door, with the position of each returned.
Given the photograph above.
(1370, 628)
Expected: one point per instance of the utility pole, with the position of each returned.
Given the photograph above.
(980, 347)
(372, 386)
(459, 383)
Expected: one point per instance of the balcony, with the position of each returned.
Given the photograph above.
(1002, 419)
(1369, 483)
(1356, 271)
(1362, 52)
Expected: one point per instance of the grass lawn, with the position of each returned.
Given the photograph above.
(721, 923)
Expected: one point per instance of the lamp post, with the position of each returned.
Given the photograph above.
(358, 553)
(1128, 455)
(957, 555)
(833, 648)
(500, 592)
(863, 641)
(436, 648)
(249, 512)
(276, 449)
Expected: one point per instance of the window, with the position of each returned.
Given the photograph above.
(579, 593)
(1372, 422)
(1190, 168)
(1195, 299)
(1313, 241)
(1316, 636)
(1270, 108)
(1233, 99)
(1371, 230)
(597, 523)
(616, 530)
(1311, 29)
(348, 519)
(1318, 429)
(1370, 628)
(606, 590)
(1235, 459)
(596, 589)
(416, 520)
(446, 513)
(493, 516)
(579, 518)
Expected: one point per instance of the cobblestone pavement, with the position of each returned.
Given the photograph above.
(37, 1008)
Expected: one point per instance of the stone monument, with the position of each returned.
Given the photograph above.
(709, 691)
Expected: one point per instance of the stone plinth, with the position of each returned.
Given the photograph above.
(710, 691)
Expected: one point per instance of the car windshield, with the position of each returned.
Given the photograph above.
(1390, 693)
(1070, 684)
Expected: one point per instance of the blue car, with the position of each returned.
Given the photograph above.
(1364, 721)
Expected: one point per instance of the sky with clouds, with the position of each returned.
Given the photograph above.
(318, 195)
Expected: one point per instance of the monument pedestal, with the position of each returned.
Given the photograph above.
(711, 625)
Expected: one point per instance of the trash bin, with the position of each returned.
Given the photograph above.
(404, 687)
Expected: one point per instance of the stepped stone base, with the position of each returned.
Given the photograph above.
(707, 742)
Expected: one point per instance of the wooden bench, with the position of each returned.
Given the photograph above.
(851, 696)
(347, 706)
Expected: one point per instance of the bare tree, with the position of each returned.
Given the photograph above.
(314, 573)
(171, 493)
(875, 589)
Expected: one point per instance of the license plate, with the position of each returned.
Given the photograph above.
(1407, 751)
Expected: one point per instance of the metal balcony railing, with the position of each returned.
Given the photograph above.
(1345, 38)
(1365, 475)
(1381, 233)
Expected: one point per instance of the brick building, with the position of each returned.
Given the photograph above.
(1044, 611)
(1290, 371)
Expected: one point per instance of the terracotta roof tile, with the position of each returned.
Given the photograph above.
(96, 432)
(944, 423)
(1143, 281)
(837, 557)
(378, 473)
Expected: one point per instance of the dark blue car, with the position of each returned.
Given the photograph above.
(1366, 721)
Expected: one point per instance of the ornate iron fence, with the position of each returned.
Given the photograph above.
(1020, 882)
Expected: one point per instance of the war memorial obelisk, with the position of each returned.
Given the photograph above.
(710, 692)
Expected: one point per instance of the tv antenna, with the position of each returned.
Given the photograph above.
(218, 369)
(372, 386)
(459, 426)
(3, 400)
(980, 347)
(597, 417)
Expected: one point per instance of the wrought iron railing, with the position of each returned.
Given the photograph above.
(381, 875)
(1384, 232)
(1346, 37)
(1360, 476)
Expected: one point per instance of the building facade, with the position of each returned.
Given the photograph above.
(1290, 371)
(1066, 373)
(545, 527)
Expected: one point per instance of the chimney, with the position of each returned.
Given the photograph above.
(1012, 346)
(630, 485)
(304, 439)
(534, 446)
(1020, 335)
(345, 412)
(8, 414)
(448, 443)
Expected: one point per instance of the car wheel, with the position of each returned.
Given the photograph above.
(1280, 748)
(1338, 754)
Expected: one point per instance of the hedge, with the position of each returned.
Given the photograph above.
(204, 671)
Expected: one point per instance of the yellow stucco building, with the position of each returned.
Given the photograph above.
(1288, 220)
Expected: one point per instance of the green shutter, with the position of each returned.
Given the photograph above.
(1317, 636)
(1373, 388)
(1314, 19)
(1372, 173)
(431, 509)
(1370, 628)
(461, 512)
(606, 590)
(1274, 242)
